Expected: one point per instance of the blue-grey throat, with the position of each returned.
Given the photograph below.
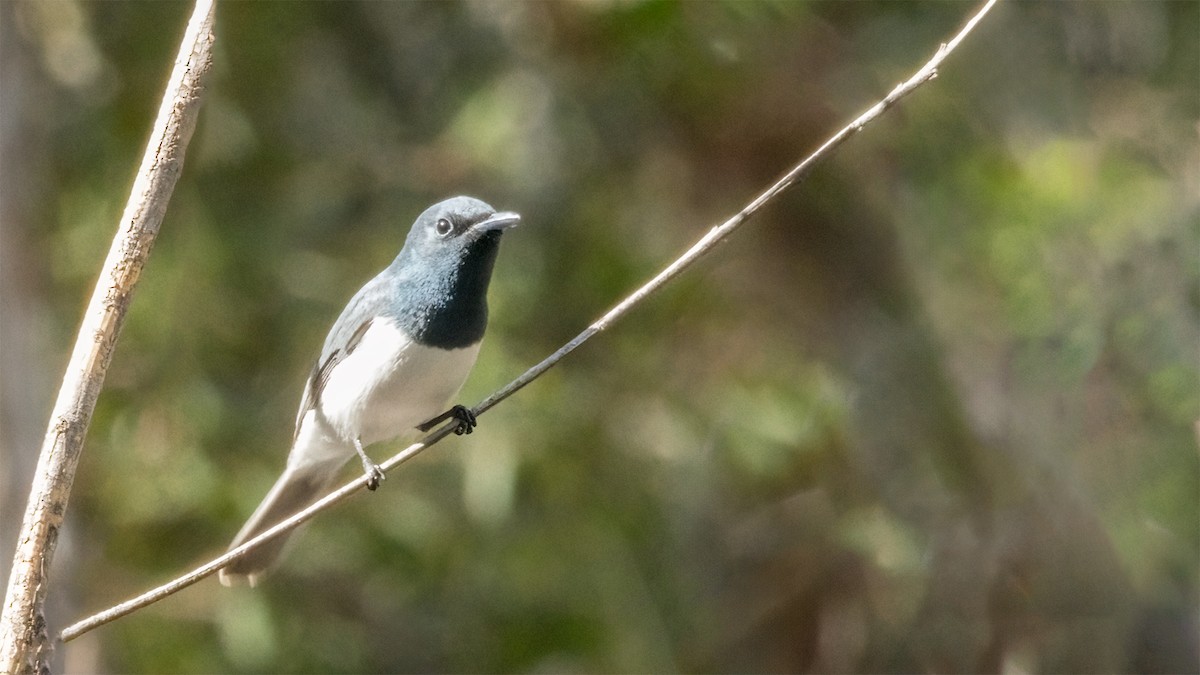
(392, 363)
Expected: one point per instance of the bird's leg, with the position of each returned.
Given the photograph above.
(375, 475)
(464, 415)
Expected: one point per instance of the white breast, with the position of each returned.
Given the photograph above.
(389, 384)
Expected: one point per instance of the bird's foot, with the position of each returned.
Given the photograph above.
(464, 415)
(375, 474)
(466, 419)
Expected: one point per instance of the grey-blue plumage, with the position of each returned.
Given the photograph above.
(395, 357)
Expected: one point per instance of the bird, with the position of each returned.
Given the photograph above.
(395, 358)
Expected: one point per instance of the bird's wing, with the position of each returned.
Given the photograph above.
(320, 374)
(345, 335)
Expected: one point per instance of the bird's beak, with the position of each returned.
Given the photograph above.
(498, 221)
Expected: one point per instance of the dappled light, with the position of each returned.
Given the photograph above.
(934, 410)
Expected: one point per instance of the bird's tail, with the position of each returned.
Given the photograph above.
(296, 488)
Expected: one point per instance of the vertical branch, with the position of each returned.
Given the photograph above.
(24, 644)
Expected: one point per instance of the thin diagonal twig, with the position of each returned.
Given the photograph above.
(700, 248)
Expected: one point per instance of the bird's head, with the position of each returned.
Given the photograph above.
(457, 231)
(444, 269)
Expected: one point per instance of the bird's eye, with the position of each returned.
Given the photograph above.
(443, 227)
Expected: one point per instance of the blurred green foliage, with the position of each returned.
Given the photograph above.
(933, 410)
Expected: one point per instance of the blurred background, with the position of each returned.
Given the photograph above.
(933, 411)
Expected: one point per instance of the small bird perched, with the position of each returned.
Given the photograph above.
(394, 359)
